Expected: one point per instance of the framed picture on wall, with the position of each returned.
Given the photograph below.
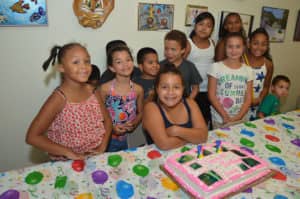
(23, 13)
(153, 17)
(274, 20)
(246, 19)
(192, 11)
(297, 28)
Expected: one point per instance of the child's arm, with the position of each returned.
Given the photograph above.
(260, 115)
(194, 92)
(198, 133)
(40, 124)
(153, 123)
(267, 83)
(220, 50)
(139, 102)
(245, 107)
(212, 95)
(107, 125)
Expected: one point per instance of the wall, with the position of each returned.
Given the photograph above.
(24, 86)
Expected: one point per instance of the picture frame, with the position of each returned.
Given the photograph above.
(21, 13)
(155, 17)
(297, 28)
(247, 20)
(192, 11)
(274, 20)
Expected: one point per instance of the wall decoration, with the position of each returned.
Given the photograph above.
(274, 20)
(92, 13)
(192, 11)
(23, 13)
(155, 16)
(297, 28)
(246, 19)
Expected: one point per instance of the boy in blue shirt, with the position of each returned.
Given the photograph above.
(271, 103)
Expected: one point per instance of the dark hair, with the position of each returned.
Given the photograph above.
(59, 52)
(278, 78)
(95, 74)
(264, 32)
(201, 17)
(234, 34)
(114, 43)
(223, 32)
(178, 36)
(167, 68)
(116, 49)
(142, 54)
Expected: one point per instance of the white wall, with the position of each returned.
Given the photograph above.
(24, 86)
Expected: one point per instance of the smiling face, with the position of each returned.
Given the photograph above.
(170, 89)
(76, 65)
(281, 88)
(204, 28)
(233, 23)
(259, 45)
(234, 47)
(173, 52)
(150, 65)
(122, 63)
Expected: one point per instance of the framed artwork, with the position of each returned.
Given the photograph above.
(153, 17)
(192, 11)
(23, 13)
(246, 19)
(297, 28)
(274, 20)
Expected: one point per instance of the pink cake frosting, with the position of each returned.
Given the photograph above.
(215, 174)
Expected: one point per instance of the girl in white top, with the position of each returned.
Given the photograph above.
(259, 59)
(230, 84)
(201, 51)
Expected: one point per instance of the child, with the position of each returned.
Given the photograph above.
(259, 59)
(230, 84)
(74, 117)
(175, 46)
(147, 60)
(270, 104)
(171, 119)
(232, 23)
(108, 74)
(201, 52)
(94, 78)
(123, 98)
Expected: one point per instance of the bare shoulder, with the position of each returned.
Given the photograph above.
(105, 87)
(55, 102)
(139, 89)
(192, 104)
(150, 107)
(269, 64)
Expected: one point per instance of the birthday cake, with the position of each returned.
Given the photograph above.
(216, 170)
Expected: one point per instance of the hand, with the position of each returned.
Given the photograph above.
(74, 156)
(226, 119)
(173, 130)
(129, 126)
(119, 129)
(96, 151)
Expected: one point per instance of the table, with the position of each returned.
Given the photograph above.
(135, 173)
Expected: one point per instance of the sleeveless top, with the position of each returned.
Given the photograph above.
(78, 126)
(259, 75)
(121, 108)
(203, 60)
(168, 124)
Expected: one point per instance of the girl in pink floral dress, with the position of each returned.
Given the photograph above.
(74, 116)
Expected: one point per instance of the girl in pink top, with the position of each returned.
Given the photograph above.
(74, 117)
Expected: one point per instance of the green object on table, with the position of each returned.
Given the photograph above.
(250, 124)
(246, 142)
(184, 149)
(114, 160)
(140, 170)
(34, 177)
(60, 181)
(273, 148)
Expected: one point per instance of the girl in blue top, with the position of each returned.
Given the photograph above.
(172, 120)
